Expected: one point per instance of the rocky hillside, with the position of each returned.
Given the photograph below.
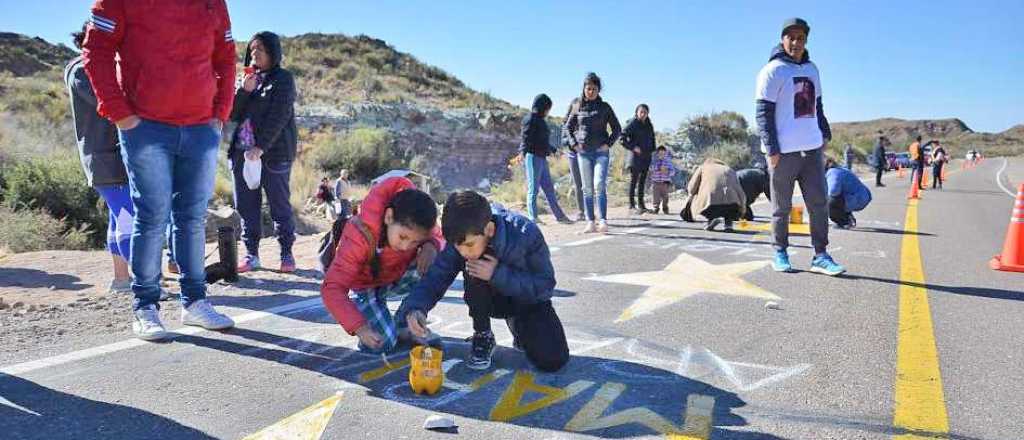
(953, 133)
(24, 56)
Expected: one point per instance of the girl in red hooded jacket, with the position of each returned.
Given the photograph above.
(381, 254)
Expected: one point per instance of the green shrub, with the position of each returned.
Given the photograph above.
(56, 183)
(366, 152)
(30, 230)
(737, 156)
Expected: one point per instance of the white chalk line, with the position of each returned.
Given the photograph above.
(79, 355)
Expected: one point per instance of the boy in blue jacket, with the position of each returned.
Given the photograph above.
(508, 274)
(846, 194)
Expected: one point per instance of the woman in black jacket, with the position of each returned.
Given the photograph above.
(586, 130)
(638, 138)
(535, 145)
(265, 112)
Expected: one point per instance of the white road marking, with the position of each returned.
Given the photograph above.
(52, 361)
(999, 179)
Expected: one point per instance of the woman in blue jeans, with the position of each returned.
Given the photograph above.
(586, 129)
(265, 111)
(535, 147)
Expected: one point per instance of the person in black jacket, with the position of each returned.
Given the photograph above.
(535, 146)
(638, 138)
(264, 109)
(586, 131)
(755, 182)
(878, 157)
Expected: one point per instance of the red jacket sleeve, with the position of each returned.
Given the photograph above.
(224, 66)
(349, 260)
(103, 39)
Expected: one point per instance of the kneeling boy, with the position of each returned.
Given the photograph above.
(508, 274)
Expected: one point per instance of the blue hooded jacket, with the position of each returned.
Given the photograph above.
(524, 273)
(842, 182)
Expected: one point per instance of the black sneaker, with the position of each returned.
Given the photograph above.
(712, 224)
(483, 348)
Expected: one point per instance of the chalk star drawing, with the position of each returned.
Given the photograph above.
(684, 277)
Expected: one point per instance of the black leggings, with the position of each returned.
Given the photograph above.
(536, 327)
(637, 182)
(837, 211)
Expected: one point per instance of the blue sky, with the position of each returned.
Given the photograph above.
(909, 59)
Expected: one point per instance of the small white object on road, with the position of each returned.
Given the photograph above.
(440, 421)
(772, 305)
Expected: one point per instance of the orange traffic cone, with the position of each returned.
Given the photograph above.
(924, 180)
(1012, 258)
(943, 174)
(913, 194)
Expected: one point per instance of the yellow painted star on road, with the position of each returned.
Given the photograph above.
(684, 277)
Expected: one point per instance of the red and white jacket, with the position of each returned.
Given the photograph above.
(167, 61)
(350, 269)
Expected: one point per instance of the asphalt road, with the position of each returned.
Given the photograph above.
(669, 331)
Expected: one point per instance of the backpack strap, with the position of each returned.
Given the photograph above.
(372, 242)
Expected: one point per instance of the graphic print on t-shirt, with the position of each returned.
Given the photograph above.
(803, 97)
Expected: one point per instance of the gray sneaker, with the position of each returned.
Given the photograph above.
(202, 314)
(147, 325)
(120, 286)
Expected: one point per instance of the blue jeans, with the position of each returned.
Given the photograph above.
(170, 170)
(594, 172)
(577, 181)
(538, 175)
(275, 181)
(122, 215)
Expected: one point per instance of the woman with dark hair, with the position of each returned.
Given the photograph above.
(638, 138)
(383, 251)
(535, 146)
(587, 129)
(265, 112)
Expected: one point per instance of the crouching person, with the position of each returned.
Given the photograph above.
(382, 253)
(508, 275)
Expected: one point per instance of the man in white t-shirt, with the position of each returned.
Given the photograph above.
(794, 133)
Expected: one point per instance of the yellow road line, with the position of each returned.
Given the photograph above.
(920, 405)
(308, 424)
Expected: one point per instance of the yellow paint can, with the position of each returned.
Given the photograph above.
(796, 215)
(425, 373)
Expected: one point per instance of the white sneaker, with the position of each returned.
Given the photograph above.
(147, 326)
(589, 229)
(602, 227)
(202, 314)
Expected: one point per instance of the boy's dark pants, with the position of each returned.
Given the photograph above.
(536, 327)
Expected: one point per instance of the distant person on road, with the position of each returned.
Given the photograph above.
(264, 109)
(104, 170)
(662, 171)
(939, 159)
(587, 129)
(341, 195)
(164, 73)
(846, 195)
(508, 275)
(754, 181)
(849, 155)
(639, 139)
(716, 194)
(916, 151)
(383, 251)
(878, 159)
(535, 146)
(794, 134)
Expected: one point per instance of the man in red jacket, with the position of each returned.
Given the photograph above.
(164, 73)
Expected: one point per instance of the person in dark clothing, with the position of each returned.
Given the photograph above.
(638, 138)
(755, 182)
(939, 159)
(917, 155)
(265, 112)
(574, 170)
(100, 154)
(586, 129)
(878, 158)
(535, 146)
(508, 272)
